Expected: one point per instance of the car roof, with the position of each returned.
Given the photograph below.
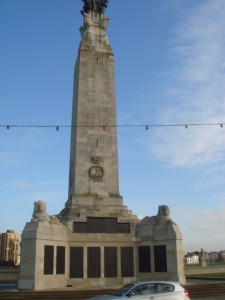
(155, 281)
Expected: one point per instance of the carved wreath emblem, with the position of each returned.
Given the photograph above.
(96, 173)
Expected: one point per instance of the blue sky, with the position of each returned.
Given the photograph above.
(169, 67)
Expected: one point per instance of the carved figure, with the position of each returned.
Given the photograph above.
(92, 12)
(149, 220)
(163, 215)
(94, 5)
(104, 23)
(164, 211)
(87, 20)
(40, 213)
(88, 5)
(101, 5)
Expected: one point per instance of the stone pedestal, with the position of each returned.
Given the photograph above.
(99, 251)
(41, 242)
(164, 240)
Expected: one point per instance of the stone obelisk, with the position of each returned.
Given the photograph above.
(93, 175)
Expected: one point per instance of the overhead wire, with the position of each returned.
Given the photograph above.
(105, 126)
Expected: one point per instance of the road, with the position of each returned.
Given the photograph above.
(210, 298)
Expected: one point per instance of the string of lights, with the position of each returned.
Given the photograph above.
(104, 127)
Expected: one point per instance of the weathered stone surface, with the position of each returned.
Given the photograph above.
(94, 198)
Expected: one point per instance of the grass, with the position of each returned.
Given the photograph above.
(211, 275)
(208, 266)
(9, 270)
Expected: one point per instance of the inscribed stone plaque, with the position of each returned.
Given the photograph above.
(110, 260)
(76, 262)
(93, 262)
(127, 262)
(48, 259)
(60, 260)
(144, 259)
(160, 258)
(101, 225)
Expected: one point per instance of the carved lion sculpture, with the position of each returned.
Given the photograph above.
(40, 213)
(163, 212)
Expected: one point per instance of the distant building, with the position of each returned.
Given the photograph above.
(208, 257)
(213, 257)
(192, 259)
(221, 256)
(10, 247)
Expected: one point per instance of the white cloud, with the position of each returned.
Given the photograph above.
(208, 223)
(20, 184)
(204, 227)
(198, 95)
(23, 184)
(18, 145)
(10, 157)
(189, 147)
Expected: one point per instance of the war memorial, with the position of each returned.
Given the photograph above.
(95, 240)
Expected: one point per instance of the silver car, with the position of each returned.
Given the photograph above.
(145, 290)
